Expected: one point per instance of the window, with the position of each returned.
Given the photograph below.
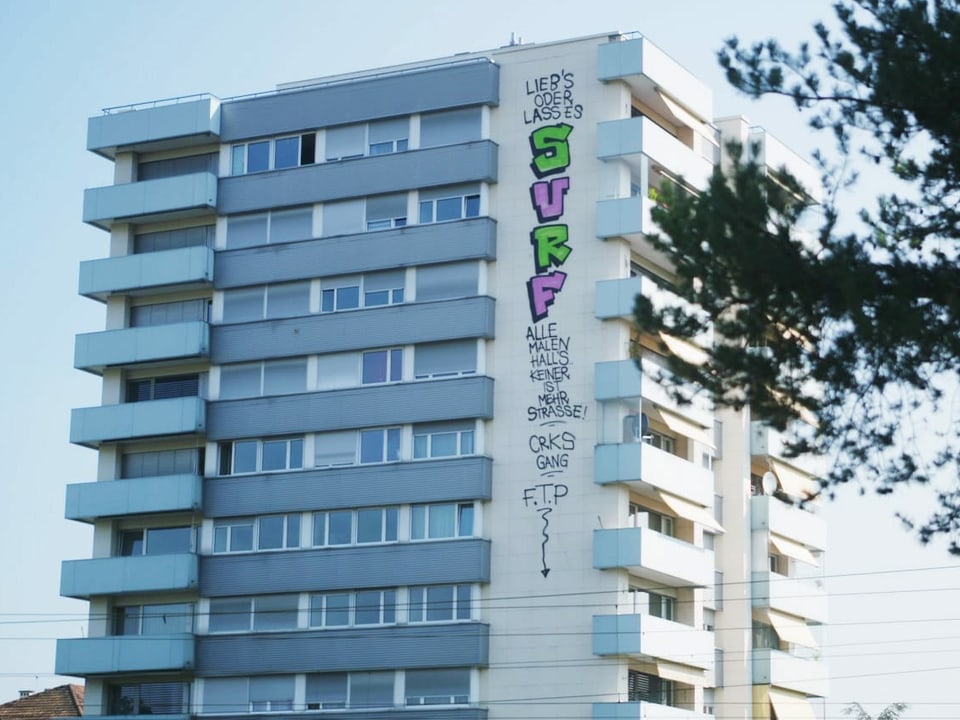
(161, 388)
(166, 619)
(363, 607)
(268, 532)
(155, 541)
(335, 449)
(275, 154)
(388, 136)
(718, 589)
(775, 564)
(172, 167)
(383, 288)
(380, 445)
(764, 636)
(438, 687)
(150, 698)
(273, 693)
(158, 241)
(661, 441)
(345, 217)
(277, 226)
(445, 359)
(381, 366)
(340, 294)
(346, 142)
(270, 302)
(260, 614)
(443, 282)
(333, 691)
(186, 461)
(168, 313)
(642, 687)
(443, 440)
(439, 603)
(351, 527)
(352, 292)
(338, 370)
(271, 377)
(251, 456)
(644, 517)
(451, 203)
(450, 127)
(441, 521)
(662, 606)
(386, 211)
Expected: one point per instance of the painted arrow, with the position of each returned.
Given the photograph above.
(546, 538)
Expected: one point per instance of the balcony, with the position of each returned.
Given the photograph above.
(645, 466)
(627, 217)
(180, 269)
(142, 653)
(655, 78)
(697, 411)
(636, 138)
(801, 597)
(647, 636)
(127, 421)
(94, 352)
(147, 128)
(615, 298)
(773, 667)
(789, 521)
(650, 555)
(776, 156)
(126, 575)
(167, 198)
(616, 380)
(141, 496)
(644, 711)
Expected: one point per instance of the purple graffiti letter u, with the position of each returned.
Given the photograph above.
(547, 198)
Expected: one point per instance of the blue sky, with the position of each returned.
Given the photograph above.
(893, 623)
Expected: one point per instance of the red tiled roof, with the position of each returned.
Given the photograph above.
(62, 701)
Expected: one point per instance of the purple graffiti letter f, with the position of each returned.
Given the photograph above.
(542, 291)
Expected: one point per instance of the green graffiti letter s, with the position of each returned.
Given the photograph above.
(551, 153)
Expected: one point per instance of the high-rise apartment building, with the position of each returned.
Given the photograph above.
(372, 441)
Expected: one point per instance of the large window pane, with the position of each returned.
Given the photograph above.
(343, 218)
(225, 695)
(246, 231)
(239, 381)
(163, 541)
(258, 156)
(288, 300)
(338, 610)
(440, 282)
(449, 127)
(275, 612)
(437, 687)
(286, 152)
(371, 689)
(445, 358)
(243, 305)
(367, 610)
(346, 142)
(229, 614)
(166, 619)
(340, 528)
(439, 603)
(335, 448)
(271, 693)
(291, 225)
(271, 533)
(369, 526)
(442, 521)
(281, 377)
(326, 691)
(338, 370)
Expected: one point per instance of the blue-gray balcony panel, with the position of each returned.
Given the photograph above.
(137, 496)
(181, 124)
(354, 100)
(180, 269)
(381, 405)
(616, 380)
(470, 239)
(126, 575)
(167, 198)
(171, 416)
(616, 298)
(404, 324)
(131, 346)
(446, 480)
(465, 560)
(381, 648)
(126, 654)
(363, 177)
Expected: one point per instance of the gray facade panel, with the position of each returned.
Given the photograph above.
(405, 324)
(434, 712)
(391, 648)
(447, 480)
(363, 177)
(376, 406)
(475, 82)
(471, 239)
(362, 566)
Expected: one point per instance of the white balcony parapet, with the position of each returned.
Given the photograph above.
(789, 521)
(801, 597)
(647, 636)
(644, 711)
(650, 554)
(780, 669)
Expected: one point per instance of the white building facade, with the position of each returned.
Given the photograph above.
(372, 440)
